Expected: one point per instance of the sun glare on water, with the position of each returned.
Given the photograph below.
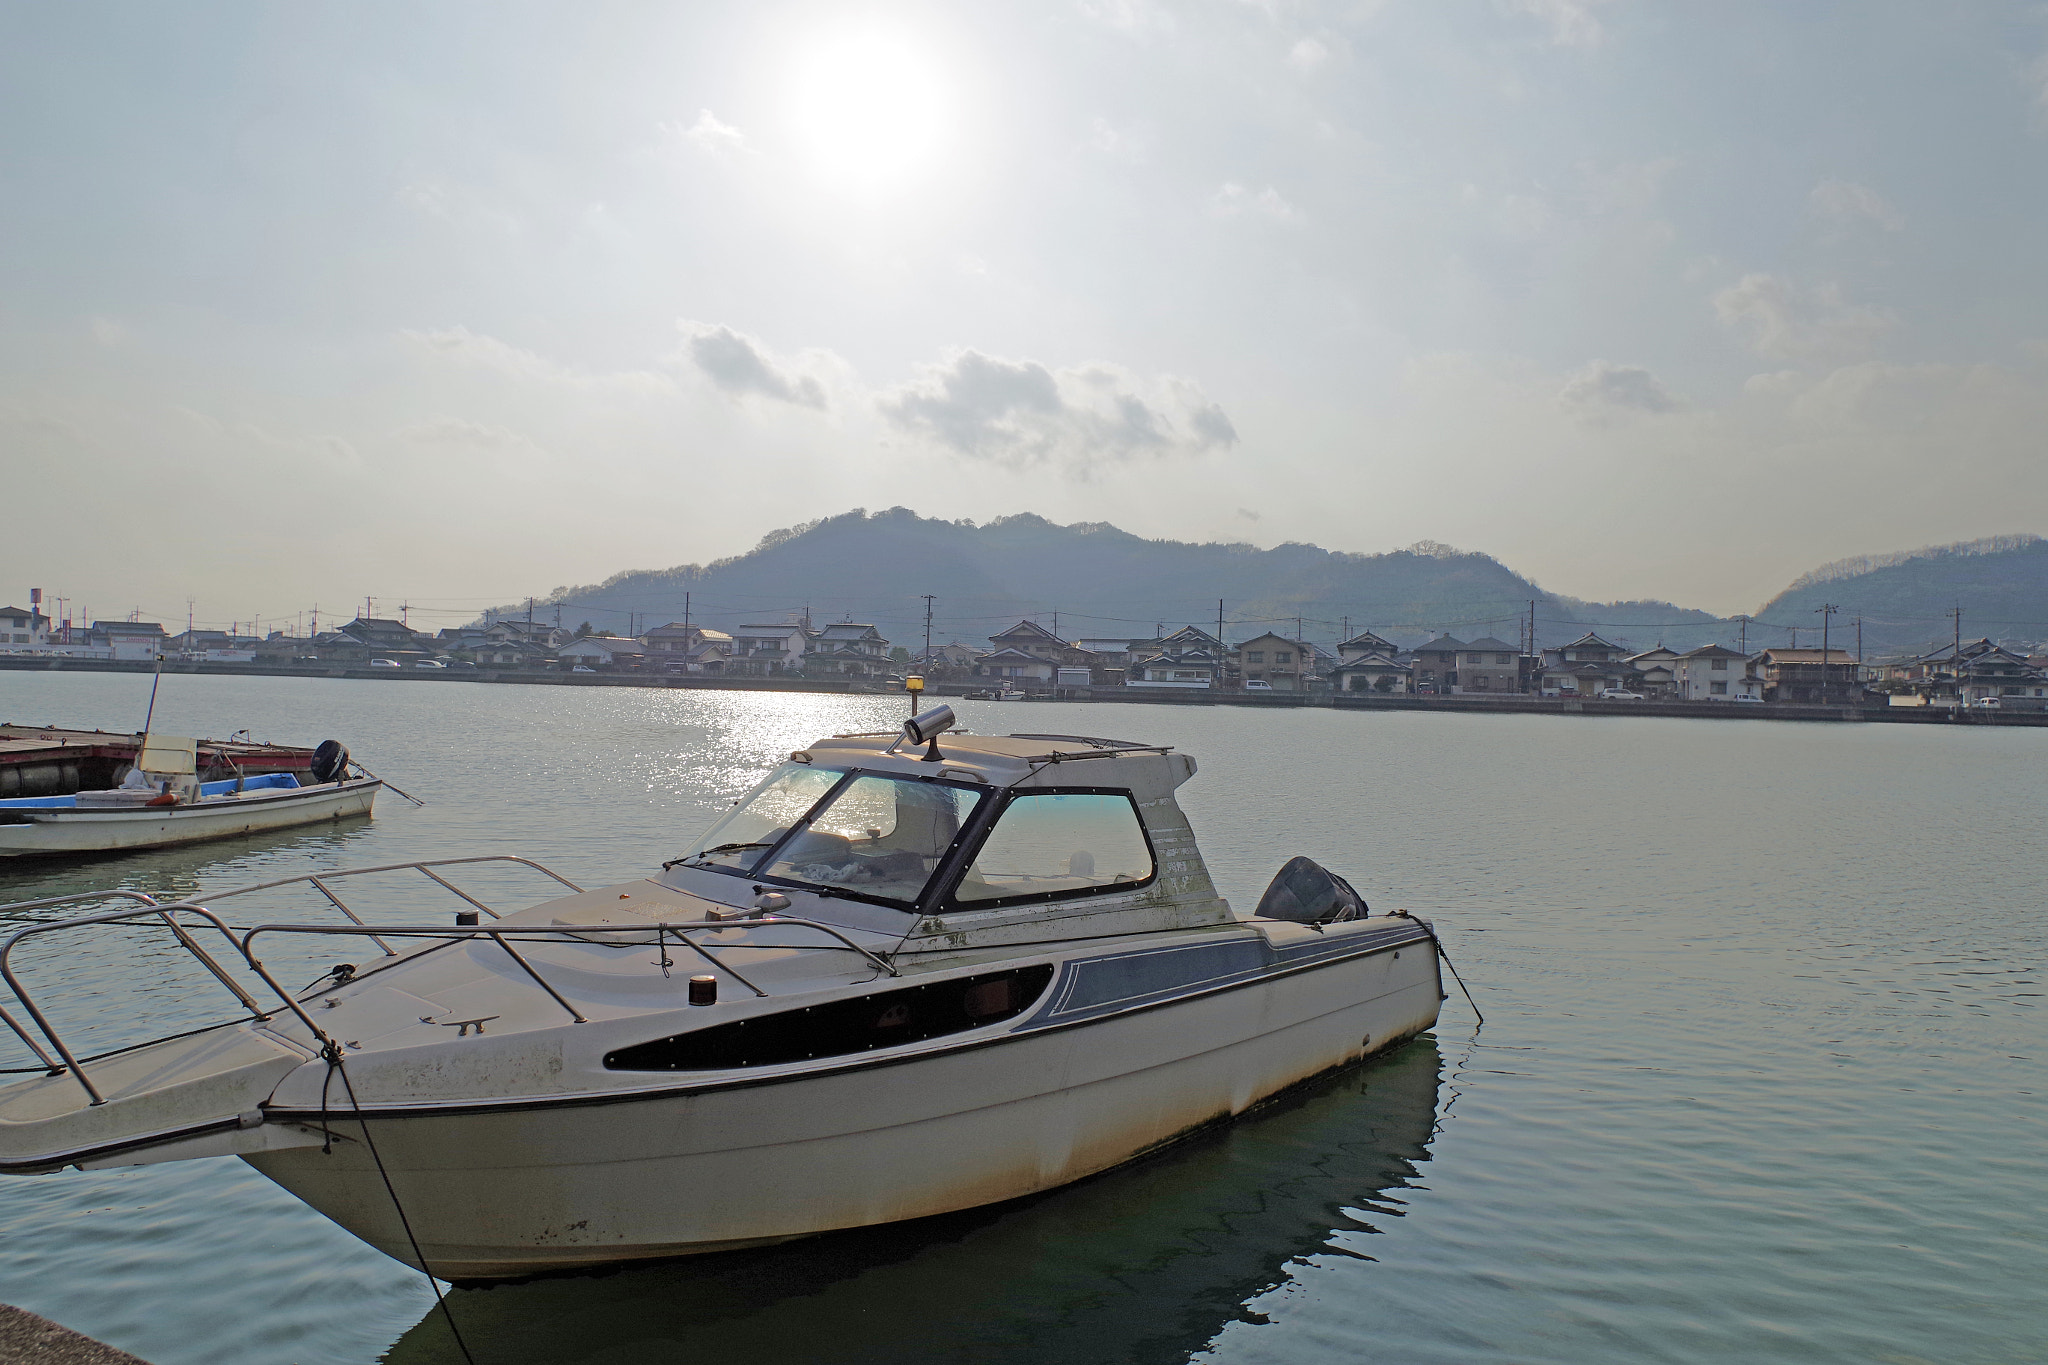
(870, 108)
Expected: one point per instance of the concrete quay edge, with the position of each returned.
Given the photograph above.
(28, 1339)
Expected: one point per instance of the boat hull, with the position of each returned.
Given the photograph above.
(518, 1191)
(109, 831)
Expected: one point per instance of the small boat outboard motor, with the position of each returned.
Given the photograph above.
(1306, 892)
(330, 763)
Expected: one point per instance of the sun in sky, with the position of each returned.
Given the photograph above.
(869, 107)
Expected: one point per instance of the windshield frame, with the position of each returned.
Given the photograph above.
(970, 829)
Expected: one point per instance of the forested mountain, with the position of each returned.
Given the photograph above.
(1905, 599)
(1102, 582)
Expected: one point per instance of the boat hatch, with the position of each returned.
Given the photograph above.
(839, 1028)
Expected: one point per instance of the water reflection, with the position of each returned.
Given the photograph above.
(1146, 1264)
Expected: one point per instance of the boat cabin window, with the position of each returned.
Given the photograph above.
(868, 835)
(883, 836)
(762, 817)
(1052, 844)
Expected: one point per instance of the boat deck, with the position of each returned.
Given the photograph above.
(54, 761)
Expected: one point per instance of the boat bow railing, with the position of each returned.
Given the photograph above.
(183, 917)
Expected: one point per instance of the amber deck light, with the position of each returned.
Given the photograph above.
(914, 684)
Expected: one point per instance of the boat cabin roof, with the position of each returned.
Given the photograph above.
(1148, 771)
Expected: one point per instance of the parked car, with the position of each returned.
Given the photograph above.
(1619, 694)
(384, 663)
(1748, 697)
(1985, 704)
(583, 668)
(428, 663)
(1258, 685)
(462, 663)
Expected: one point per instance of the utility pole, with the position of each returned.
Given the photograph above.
(1859, 649)
(1826, 611)
(405, 614)
(1744, 646)
(370, 606)
(1956, 659)
(1055, 623)
(926, 661)
(1222, 650)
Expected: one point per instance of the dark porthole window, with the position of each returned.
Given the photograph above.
(842, 1028)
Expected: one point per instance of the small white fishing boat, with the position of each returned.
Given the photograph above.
(162, 802)
(909, 973)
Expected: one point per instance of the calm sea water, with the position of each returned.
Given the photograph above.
(1761, 1077)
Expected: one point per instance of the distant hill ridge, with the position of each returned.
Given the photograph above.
(1101, 581)
(1858, 565)
(1905, 599)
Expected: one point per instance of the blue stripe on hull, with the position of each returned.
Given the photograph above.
(1092, 987)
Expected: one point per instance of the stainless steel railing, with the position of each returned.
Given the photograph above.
(150, 911)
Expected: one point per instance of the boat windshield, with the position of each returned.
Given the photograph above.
(867, 835)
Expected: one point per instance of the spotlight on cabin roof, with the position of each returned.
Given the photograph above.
(928, 725)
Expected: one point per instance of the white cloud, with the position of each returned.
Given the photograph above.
(502, 451)
(741, 367)
(1308, 54)
(1138, 18)
(709, 134)
(1573, 23)
(1127, 144)
(1847, 203)
(107, 332)
(1233, 199)
(479, 351)
(1783, 321)
(1020, 412)
(1601, 389)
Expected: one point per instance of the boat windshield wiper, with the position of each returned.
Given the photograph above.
(842, 893)
(720, 848)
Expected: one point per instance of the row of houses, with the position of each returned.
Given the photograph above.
(26, 630)
(1032, 657)
(1974, 674)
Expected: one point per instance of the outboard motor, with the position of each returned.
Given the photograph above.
(1306, 892)
(330, 763)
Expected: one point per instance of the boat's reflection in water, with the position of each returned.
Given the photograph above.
(1144, 1264)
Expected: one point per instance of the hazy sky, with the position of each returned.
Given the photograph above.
(452, 303)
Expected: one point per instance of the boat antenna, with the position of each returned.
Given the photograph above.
(152, 692)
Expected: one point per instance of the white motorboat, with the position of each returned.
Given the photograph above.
(907, 974)
(163, 803)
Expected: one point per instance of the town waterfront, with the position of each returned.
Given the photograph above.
(1762, 1075)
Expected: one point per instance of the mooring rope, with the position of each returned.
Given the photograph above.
(333, 1057)
(1445, 958)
